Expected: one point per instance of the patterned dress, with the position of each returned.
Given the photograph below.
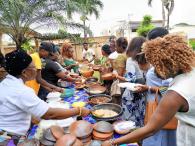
(133, 103)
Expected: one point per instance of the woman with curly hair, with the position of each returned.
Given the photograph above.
(67, 54)
(171, 57)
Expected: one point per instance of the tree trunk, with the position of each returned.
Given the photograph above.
(168, 18)
(85, 34)
(1, 45)
(163, 15)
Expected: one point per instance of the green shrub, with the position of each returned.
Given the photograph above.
(146, 26)
(192, 44)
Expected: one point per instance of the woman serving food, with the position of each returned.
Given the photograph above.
(18, 102)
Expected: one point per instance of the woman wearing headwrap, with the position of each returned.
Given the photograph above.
(67, 54)
(19, 102)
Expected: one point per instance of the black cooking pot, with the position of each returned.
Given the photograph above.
(109, 106)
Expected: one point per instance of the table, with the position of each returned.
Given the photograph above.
(81, 96)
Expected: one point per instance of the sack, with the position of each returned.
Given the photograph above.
(115, 89)
(150, 109)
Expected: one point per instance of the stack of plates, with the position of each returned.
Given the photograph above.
(103, 131)
(48, 138)
(82, 130)
(68, 140)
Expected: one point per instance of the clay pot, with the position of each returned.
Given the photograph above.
(57, 131)
(103, 127)
(66, 140)
(107, 76)
(46, 142)
(31, 142)
(91, 80)
(96, 89)
(101, 139)
(95, 143)
(47, 134)
(81, 129)
(74, 75)
(87, 73)
(102, 135)
(78, 143)
(96, 67)
(86, 140)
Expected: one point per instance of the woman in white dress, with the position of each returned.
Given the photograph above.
(171, 57)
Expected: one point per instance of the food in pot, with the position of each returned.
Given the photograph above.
(99, 100)
(105, 113)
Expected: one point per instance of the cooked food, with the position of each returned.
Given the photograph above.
(105, 113)
(95, 91)
(98, 100)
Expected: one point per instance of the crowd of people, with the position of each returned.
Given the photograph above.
(161, 64)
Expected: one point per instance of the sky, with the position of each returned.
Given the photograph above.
(116, 10)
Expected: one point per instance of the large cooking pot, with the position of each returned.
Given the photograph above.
(107, 106)
(99, 99)
(95, 89)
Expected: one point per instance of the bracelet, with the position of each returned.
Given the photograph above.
(111, 141)
(80, 111)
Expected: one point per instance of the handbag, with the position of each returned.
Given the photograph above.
(150, 109)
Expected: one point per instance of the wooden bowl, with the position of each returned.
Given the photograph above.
(107, 76)
(81, 129)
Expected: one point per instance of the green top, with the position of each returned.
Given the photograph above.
(104, 61)
(68, 62)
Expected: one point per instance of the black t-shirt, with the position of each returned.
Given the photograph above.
(49, 70)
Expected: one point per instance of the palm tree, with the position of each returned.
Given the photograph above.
(167, 5)
(18, 18)
(86, 8)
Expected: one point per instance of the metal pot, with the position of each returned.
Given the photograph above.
(108, 106)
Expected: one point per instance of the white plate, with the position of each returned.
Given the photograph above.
(53, 95)
(124, 125)
(130, 86)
